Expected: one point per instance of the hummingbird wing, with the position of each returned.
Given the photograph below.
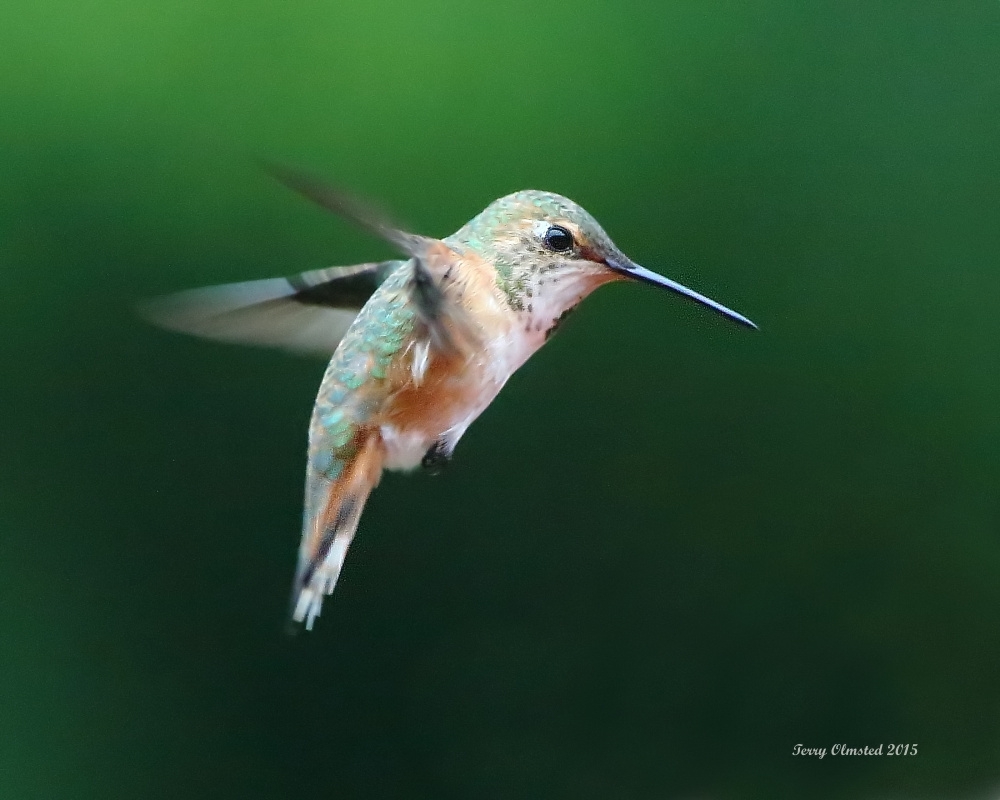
(447, 325)
(349, 207)
(310, 312)
(306, 313)
(443, 324)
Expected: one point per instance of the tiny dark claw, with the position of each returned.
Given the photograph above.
(436, 458)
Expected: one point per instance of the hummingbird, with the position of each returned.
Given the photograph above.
(420, 345)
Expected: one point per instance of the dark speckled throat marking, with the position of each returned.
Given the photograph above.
(557, 323)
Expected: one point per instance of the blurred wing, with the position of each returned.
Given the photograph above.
(306, 313)
(351, 208)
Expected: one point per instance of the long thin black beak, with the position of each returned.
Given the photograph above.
(633, 270)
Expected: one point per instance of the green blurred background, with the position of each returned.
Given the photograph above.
(673, 548)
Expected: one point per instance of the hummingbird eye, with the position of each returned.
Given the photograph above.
(558, 239)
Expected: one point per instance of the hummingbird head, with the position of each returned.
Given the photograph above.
(550, 253)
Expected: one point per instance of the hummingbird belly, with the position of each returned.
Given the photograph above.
(439, 409)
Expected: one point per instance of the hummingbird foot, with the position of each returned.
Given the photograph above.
(437, 457)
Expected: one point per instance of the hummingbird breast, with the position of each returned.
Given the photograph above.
(429, 396)
(436, 394)
(435, 412)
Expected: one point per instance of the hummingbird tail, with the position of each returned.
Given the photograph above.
(329, 532)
